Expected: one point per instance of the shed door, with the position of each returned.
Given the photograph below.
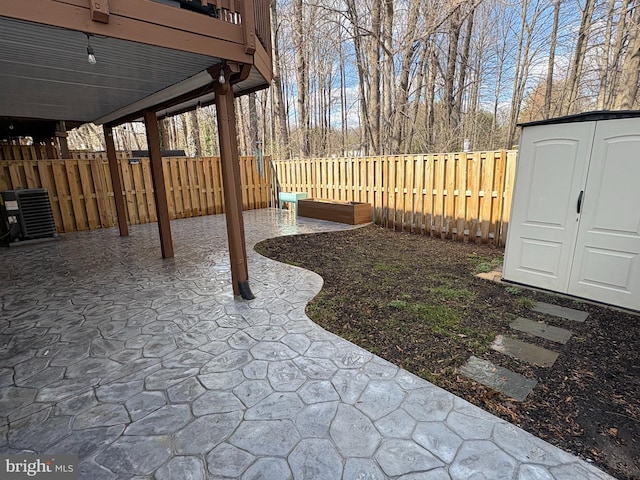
(553, 162)
(606, 266)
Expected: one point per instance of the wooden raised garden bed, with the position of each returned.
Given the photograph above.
(353, 213)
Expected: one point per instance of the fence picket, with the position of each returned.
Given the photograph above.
(86, 185)
(508, 195)
(474, 204)
(498, 194)
(449, 199)
(30, 174)
(461, 197)
(140, 193)
(438, 202)
(64, 202)
(130, 193)
(427, 203)
(99, 185)
(217, 186)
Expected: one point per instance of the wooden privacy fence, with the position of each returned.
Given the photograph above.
(82, 197)
(460, 196)
(18, 152)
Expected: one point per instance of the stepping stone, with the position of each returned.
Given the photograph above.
(505, 381)
(557, 311)
(542, 330)
(524, 351)
(494, 276)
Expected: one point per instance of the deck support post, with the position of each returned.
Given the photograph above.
(232, 189)
(116, 182)
(159, 187)
(61, 139)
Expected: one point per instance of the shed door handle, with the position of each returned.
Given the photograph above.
(580, 200)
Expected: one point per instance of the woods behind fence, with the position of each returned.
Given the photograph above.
(460, 196)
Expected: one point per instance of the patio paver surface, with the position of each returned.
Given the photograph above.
(150, 368)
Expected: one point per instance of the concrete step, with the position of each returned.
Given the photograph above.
(542, 330)
(563, 312)
(524, 351)
(501, 379)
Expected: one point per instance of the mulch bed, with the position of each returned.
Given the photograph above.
(416, 302)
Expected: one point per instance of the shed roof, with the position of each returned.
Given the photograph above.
(586, 117)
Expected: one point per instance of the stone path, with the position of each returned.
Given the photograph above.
(524, 351)
(510, 383)
(501, 379)
(151, 369)
(563, 312)
(542, 330)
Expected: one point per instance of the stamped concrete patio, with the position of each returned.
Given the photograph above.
(149, 368)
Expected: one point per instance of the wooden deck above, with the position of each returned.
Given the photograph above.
(151, 54)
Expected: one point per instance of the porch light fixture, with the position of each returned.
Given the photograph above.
(221, 78)
(91, 58)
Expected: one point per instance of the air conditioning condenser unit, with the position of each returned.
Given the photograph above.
(26, 215)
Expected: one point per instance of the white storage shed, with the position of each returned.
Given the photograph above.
(575, 218)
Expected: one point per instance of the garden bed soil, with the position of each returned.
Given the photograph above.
(416, 301)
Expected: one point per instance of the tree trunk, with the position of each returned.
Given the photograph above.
(455, 24)
(363, 77)
(253, 125)
(629, 76)
(165, 134)
(552, 54)
(280, 114)
(373, 53)
(193, 134)
(618, 50)
(408, 132)
(302, 80)
(462, 80)
(430, 98)
(343, 98)
(578, 58)
(388, 79)
(409, 48)
(523, 64)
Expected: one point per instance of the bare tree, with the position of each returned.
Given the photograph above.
(373, 54)
(387, 76)
(627, 96)
(301, 77)
(578, 57)
(529, 16)
(617, 52)
(408, 49)
(552, 56)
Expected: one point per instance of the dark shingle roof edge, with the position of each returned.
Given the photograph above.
(586, 117)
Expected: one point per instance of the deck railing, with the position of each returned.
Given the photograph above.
(263, 23)
(253, 15)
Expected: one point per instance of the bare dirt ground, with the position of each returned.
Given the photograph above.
(416, 302)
